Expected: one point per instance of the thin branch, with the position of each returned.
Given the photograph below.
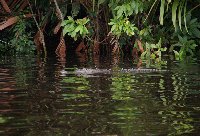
(194, 8)
(58, 10)
(150, 10)
(41, 33)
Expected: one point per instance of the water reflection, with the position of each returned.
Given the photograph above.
(37, 98)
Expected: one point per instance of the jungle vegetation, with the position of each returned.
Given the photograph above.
(141, 28)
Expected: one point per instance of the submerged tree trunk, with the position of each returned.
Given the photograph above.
(96, 49)
(61, 48)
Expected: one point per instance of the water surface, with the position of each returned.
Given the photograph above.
(37, 97)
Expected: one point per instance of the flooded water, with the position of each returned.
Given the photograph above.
(49, 98)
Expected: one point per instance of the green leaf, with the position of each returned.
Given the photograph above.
(78, 28)
(120, 12)
(120, 27)
(65, 30)
(193, 46)
(191, 52)
(85, 31)
(111, 23)
(66, 22)
(86, 21)
(136, 7)
(153, 46)
(176, 55)
(70, 18)
(113, 28)
(69, 28)
(184, 16)
(180, 38)
(100, 1)
(179, 13)
(143, 54)
(193, 22)
(73, 34)
(153, 56)
(182, 53)
(163, 49)
(162, 10)
(196, 32)
(128, 9)
(174, 9)
(142, 31)
(81, 30)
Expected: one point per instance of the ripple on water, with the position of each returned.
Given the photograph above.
(38, 97)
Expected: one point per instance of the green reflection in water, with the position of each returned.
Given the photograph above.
(74, 85)
(126, 110)
(175, 112)
(73, 96)
(2, 120)
(122, 84)
(121, 104)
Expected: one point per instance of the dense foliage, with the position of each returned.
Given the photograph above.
(112, 26)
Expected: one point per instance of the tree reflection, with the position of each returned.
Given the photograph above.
(42, 100)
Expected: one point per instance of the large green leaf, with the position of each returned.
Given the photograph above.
(174, 9)
(196, 32)
(162, 10)
(185, 16)
(180, 13)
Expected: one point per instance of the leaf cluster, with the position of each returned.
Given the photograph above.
(75, 28)
(22, 41)
(122, 25)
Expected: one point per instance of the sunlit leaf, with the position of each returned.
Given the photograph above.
(180, 13)
(174, 9)
(184, 16)
(78, 28)
(162, 10)
(176, 55)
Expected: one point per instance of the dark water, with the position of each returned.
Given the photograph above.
(37, 97)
